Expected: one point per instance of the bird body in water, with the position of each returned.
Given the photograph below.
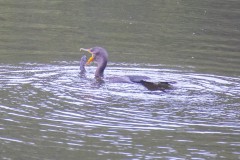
(100, 56)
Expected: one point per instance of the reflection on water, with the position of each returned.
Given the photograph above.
(51, 105)
(49, 111)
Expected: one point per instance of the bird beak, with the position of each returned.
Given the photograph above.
(89, 51)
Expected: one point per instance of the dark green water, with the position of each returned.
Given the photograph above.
(48, 111)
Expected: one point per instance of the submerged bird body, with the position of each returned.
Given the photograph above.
(100, 56)
(127, 79)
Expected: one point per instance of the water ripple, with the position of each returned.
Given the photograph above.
(54, 100)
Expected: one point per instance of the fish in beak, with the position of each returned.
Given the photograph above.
(89, 51)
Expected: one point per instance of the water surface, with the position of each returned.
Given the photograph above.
(49, 111)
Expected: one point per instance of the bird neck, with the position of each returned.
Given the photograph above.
(100, 69)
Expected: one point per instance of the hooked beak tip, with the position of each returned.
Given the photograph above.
(89, 51)
(83, 49)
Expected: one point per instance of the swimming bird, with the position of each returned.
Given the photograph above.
(100, 56)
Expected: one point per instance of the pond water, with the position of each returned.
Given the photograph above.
(48, 110)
